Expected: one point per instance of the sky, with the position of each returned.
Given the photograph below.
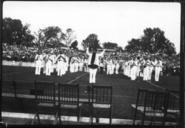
(116, 22)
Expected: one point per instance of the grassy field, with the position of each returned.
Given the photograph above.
(124, 90)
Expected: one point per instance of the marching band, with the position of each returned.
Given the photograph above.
(133, 68)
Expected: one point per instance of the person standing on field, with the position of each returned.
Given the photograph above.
(38, 63)
(158, 69)
(49, 65)
(93, 63)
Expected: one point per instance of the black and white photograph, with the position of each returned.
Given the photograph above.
(91, 63)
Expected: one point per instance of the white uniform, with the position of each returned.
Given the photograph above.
(125, 68)
(52, 57)
(117, 67)
(138, 69)
(112, 67)
(85, 65)
(61, 65)
(67, 62)
(150, 70)
(109, 67)
(49, 66)
(134, 70)
(158, 69)
(76, 66)
(73, 65)
(38, 64)
(146, 70)
(60, 68)
(81, 65)
(142, 64)
(44, 63)
(129, 68)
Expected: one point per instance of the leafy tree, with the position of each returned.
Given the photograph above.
(51, 36)
(110, 45)
(27, 36)
(40, 39)
(153, 41)
(134, 45)
(14, 32)
(92, 42)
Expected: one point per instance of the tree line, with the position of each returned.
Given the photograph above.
(15, 33)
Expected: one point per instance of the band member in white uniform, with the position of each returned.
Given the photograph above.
(151, 68)
(109, 66)
(134, 69)
(126, 64)
(53, 58)
(93, 62)
(38, 63)
(49, 66)
(123, 67)
(138, 67)
(76, 65)
(158, 69)
(129, 67)
(81, 65)
(73, 64)
(60, 68)
(117, 67)
(146, 70)
(85, 65)
(112, 67)
(61, 65)
(142, 66)
(44, 62)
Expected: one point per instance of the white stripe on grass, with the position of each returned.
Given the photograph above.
(71, 81)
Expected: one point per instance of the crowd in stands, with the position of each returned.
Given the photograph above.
(18, 53)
